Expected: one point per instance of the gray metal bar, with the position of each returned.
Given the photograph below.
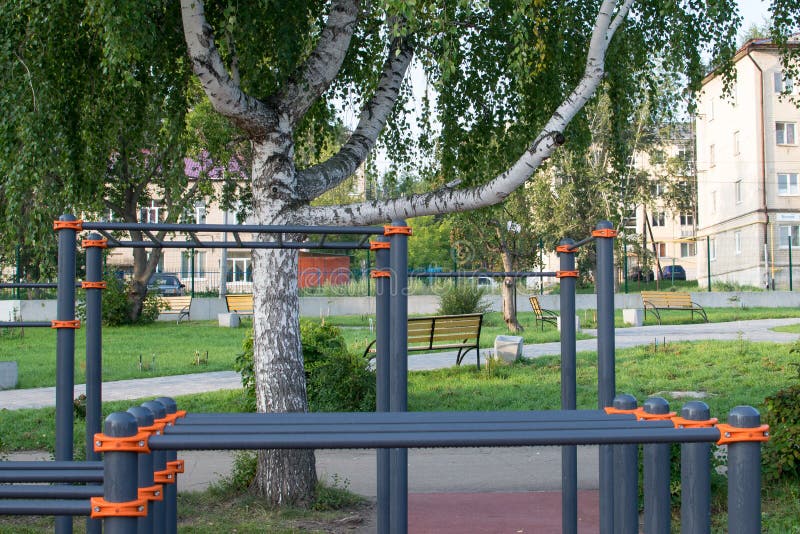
(170, 490)
(338, 245)
(49, 466)
(626, 478)
(144, 476)
(255, 229)
(383, 287)
(120, 484)
(398, 375)
(22, 324)
(54, 507)
(94, 347)
(656, 476)
(744, 475)
(65, 353)
(696, 476)
(37, 491)
(159, 464)
(473, 274)
(606, 375)
(61, 475)
(29, 285)
(569, 454)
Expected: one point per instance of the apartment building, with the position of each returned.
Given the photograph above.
(748, 163)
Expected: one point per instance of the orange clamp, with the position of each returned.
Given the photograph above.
(152, 493)
(380, 274)
(378, 245)
(680, 422)
(645, 416)
(98, 243)
(166, 476)
(93, 285)
(137, 443)
(176, 466)
(734, 434)
(68, 225)
(154, 429)
(566, 249)
(103, 508)
(604, 232)
(74, 324)
(566, 274)
(170, 418)
(391, 230)
(610, 410)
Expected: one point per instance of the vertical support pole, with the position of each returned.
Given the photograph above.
(192, 271)
(369, 280)
(170, 490)
(159, 465)
(625, 264)
(18, 272)
(223, 260)
(383, 343)
(65, 351)
(696, 476)
(744, 475)
(144, 477)
(119, 473)
(708, 261)
(569, 453)
(626, 477)
(656, 476)
(541, 266)
(790, 263)
(606, 374)
(398, 374)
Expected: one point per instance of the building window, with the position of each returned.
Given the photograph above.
(659, 218)
(688, 250)
(713, 202)
(199, 264)
(200, 212)
(784, 133)
(711, 109)
(712, 248)
(712, 159)
(240, 269)
(662, 250)
(656, 189)
(737, 242)
(787, 232)
(782, 83)
(151, 213)
(687, 219)
(787, 184)
(735, 143)
(737, 189)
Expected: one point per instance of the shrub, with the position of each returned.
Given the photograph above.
(781, 454)
(117, 305)
(463, 298)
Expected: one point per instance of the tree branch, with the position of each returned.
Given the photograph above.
(315, 180)
(225, 95)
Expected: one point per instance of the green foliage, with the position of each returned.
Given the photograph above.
(463, 298)
(335, 496)
(781, 454)
(117, 305)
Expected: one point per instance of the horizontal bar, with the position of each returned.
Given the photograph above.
(411, 427)
(253, 229)
(49, 466)
(29, 324)
(49, 492)
(45, 507)
(474, 274)
(373, 440)
(583, 242)
(349, 245)
(77, 475)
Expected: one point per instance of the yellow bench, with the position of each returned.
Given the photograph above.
(180, 306)
(241, 304)
(658, 301)
(543, 315)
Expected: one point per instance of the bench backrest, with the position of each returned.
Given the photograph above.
(667, 299)
(430, 332)
(175, 304)
(537, 309)
(240, 303)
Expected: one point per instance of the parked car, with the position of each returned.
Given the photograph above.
(673, 272)
(643, 275)
(165, 284)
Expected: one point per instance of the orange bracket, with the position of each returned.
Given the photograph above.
(170, 418)
(137, 443)
(611, 410)
(391, 230)
(74, 324)
(68, 225)
(176, 466)
(644, 416)
(98, 243)
(680, 422)
(733, 434)
(378, 245)
(152, 493)
(154, 429)
(103, 508)
(566, 249)
(167, 476)
(380, 274)
(566, 274)
(605, 232)
(93, 285)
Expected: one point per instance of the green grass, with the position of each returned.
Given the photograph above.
(790, 328)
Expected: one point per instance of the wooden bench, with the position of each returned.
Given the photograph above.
(241, 304)
(543, 315)
(658, 301)
(177, 305)
(462, 332)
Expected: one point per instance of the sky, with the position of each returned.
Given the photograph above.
(753, 11)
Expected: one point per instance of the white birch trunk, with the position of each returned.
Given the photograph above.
(509, 302)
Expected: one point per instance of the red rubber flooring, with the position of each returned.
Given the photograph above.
(498, 513)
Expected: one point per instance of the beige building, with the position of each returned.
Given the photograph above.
(747, 172)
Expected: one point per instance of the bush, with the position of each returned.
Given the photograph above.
(336, 381)
(781, 454)
(117, 306)
(463, 298)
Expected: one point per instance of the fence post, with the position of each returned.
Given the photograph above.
(568, 276)
(790, 263)
(383, 285)
(696, 473)
(159, 466)
(170, 490)
(626, 477)
(744, 474)
(656, 476)
(119, 473)
(144, 420)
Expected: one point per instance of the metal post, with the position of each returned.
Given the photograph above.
(541, 265)
(369, 280)
(626, 478)
(696, 476)
(790, 262)
(18, 272)
(223, 261)
(170, 490)
(383, 336)
(625, 265)
(744, 475)
(708, 261)
(656, 476)
(569, 453)
(606, 375)
(192, 271)
(144, 418)
(65, 351)
(120, 473)
(398, 374)
(159, 464)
